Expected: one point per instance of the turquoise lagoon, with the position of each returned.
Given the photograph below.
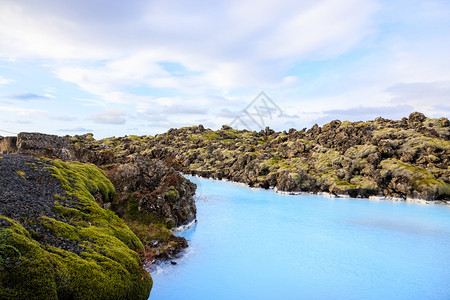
(257, 244)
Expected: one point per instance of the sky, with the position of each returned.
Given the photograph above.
(116, 68)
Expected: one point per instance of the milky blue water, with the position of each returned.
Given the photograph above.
(256, 244)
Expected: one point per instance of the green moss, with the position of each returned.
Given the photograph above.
(211, 135)
(275, 160)
(134, 137)
(172, 194)
(21, 174)
(146, 226)
(399, 168)
(384, 133)
(424, 142)
(83, 180)
(104, 270)
(361, 151)
(32, 278)
(324, 161)
(421, 179)
(194, 137)
(345, 185)
(6, 250)
(90, 136)
(108, 267)
(61, 229)
(363, 182)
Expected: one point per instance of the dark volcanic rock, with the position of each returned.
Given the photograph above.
(405, 158)
(158, 188)
(27, 192)
(8, 144)
(401, 158)
(57, 242)
(43, 144)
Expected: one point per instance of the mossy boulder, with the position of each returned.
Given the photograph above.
(103, 264)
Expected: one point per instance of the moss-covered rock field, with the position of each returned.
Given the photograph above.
(57, 242)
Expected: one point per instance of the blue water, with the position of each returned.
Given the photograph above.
(256, 244)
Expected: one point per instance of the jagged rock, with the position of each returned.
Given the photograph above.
(43, 144)
(357, 158)
(444, 122)
(8, 144)
(416, 118)
(157, 188)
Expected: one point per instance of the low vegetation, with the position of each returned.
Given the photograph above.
(103, 264)
(354, 158)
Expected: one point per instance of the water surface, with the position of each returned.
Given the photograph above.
(256, 244)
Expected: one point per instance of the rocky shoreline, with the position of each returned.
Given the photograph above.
(52, 210)
(407, 158)
(151, 197)
(139, 187)
(344, 196)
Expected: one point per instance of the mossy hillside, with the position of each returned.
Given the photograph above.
(421, 179)
(83, 181)
(361, 151)
(108, 266)
(339, 156)
(147, 227)
(436, 124)
(45, 272)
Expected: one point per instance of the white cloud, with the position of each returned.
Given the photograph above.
(312, 57)
(248, 43)
(365, 113)
(77, 130)
(324, 29)
(5, 81)
(110, 116)
(30, 96)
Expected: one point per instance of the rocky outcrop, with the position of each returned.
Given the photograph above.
(406, 158)
(397, 158)
(163, 197)
(8, 144)
(56, 242)
(157, 188)
(44, 144)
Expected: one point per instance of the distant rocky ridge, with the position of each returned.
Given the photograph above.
(407, 158)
